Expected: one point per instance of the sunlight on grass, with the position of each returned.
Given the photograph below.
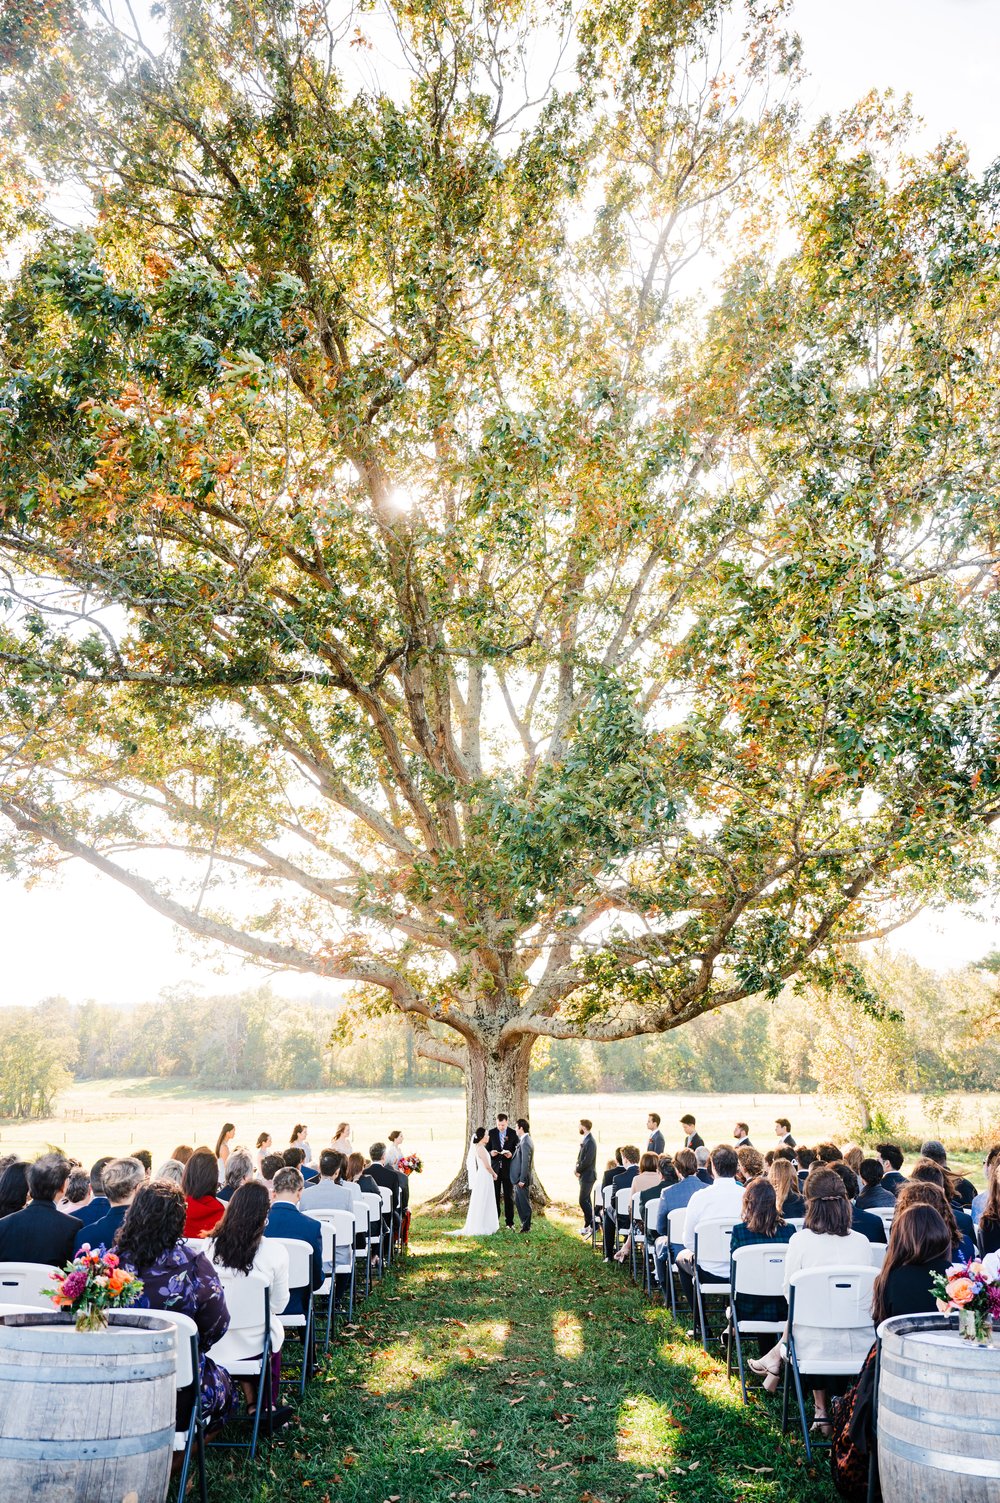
(567, 1335)
(647, 1432)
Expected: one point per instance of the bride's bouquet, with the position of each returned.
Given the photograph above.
(410, 1163)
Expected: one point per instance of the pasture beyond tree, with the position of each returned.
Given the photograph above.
(410, 578)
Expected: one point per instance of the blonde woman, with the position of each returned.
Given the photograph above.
(341, 1140)
(785, 1182)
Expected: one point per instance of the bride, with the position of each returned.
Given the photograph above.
(482, 1220)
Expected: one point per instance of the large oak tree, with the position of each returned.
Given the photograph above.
(507, 511)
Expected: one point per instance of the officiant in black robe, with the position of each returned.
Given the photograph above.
(500, 1144)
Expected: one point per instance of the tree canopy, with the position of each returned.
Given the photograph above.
(492, 508)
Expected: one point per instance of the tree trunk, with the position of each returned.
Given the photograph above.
(496, 1080)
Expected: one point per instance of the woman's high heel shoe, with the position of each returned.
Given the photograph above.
(764, 1366)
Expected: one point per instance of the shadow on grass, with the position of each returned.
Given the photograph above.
(525, 1367)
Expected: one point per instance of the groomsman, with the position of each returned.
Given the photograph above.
(657, 1142)
(783, 1132)
(501, 1143)
(740, 1138)
(692, 1138)
(586, 1173)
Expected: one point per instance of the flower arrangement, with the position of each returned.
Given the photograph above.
(411, 1163)
(92, 1284)
(975, 1294)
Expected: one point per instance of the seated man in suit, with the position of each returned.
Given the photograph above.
(890, 1156)
(98, 1205)
(621, 1181)
(286, 1221)
(40, 1233)
(122, 1178)
(872, 1227)
(295, 1158)
(328, 1193)
(873, 1196)
(390, 1179)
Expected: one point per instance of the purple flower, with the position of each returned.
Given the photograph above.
(74, 1283)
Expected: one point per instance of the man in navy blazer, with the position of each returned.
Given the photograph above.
(122, 1178)
(285, 1220)
(621, 1181)
(100, 1205)
(40, 1233)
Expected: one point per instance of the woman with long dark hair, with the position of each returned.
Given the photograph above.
(929, 1192)
(762, 1223)
(174, 1276)
(919, 1247)
(989, 1221)
(14, 1187)
(300, 1139)
(222, 1144)
(239, 1248)
(201, 1180)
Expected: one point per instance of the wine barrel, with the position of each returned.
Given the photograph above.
(938, 1413)
(86, 1417)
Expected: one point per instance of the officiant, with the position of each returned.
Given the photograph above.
(501, 1142)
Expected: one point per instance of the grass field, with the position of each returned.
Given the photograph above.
(117, 1116)
(514, 1367)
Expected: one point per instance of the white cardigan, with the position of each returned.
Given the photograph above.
(808, 1249)
(271, 1261)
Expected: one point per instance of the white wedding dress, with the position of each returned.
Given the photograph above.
(482, 1220)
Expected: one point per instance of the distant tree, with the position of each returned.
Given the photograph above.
(384, 529)
(31, 1070)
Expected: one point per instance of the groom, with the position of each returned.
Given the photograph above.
(501, 1145)
(520, 1173)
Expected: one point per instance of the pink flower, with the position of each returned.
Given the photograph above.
(74, 1283)
(111, 1259)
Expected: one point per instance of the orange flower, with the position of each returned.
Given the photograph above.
(960, 1291)
(118, 1281)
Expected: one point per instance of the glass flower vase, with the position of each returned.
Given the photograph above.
(976, 1326)
(91, 1318)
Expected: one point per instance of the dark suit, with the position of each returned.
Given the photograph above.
(586, 1172)
(787, 1140)
(743, 1143)
(502, 1184)
(657, 1143)
(891, 1181)
(38, 1234)
(101, 1233)
(872, 1227)
(621, 1181)
(390, 1179)
(875, 1197)
(287, 1221)
(694, 1140)
(93, 1211)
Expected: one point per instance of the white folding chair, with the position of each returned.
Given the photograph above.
(345, 1227)
(192, 1437)
(711, 1245)
(623, 1213)
(836, 1300)
(388, 1220)
(300, 1278)
(675, 1238)
(248, 1300)
(327, 1290)
(651, 1214)
(756, 1270)
(878, 1251)
(22, 1284)
(375, 1229)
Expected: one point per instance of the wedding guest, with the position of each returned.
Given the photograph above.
(762, 1223)
(394, 1148)
(785, 1182)
(657, 1142)
(927, 1172)
(39, 1233)
(919, 1247)
(182, 1153)
(122, 1178)
(962, 1189)
(79, 1193)
(891, 1158)
(145, 1159)
(979, 1203)
(741, 1136)
(621, 1181)
(783, 1132)
(870, 1226)
(239, 1171)
(204, 1208)
(239, 1247)
(989, 1221)
(782, 1152)
(916, 1192)
(287, 1221)
(647, 1178)
(269, 1166)
(294, 1158)
(341, 1140)
(171, 1170)
(805, 1159)
(750, 1162)
(692, 1138)
(723, 1197)
(612, 1168)
(300, 1139)
(828, 1153)
(176, 1277)
(328, 1193)
(356, 1179)
(14, 1187)
(390, 1179)
(222, 1143)
(852, 1157)
(97, 1206)
(704, 1166)
(263, 1148)
(873, 1195)
(826, 1240)
(586, 1173)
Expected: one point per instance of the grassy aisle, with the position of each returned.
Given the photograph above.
(522, 1367)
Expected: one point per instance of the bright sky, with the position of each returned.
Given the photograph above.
(85, 937)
